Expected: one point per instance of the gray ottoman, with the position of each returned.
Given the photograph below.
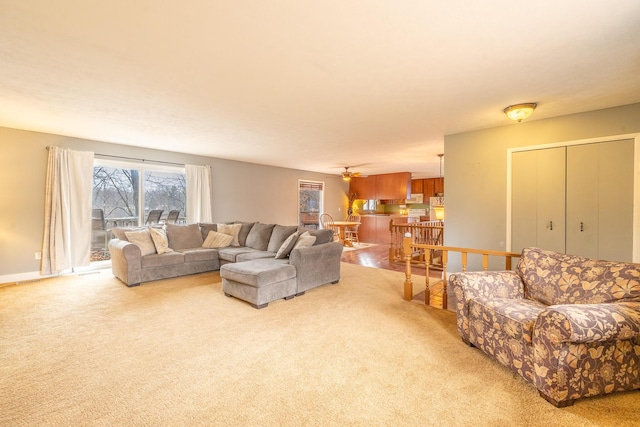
(259, 281)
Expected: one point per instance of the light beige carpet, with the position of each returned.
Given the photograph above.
(87, 350)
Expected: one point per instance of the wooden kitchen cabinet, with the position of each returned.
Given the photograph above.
(429, 188)
(393, 186)
(439, 185)
(416, 186)
(366, 231)
(390, 186)
(364, 187)
(374, 229)
(382, 230)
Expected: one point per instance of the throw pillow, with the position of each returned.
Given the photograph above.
(142, 239)
(287, 246)
(217, 240)
(159, 237)
(206, 227)
(279, 235)
(305, 240)
(231, 230)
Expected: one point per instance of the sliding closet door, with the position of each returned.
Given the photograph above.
(538, 199)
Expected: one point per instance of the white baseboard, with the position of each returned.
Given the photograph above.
(33, 276)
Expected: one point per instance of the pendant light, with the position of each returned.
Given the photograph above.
(438, 208)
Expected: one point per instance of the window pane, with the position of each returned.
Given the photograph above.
(165, 191)
(116, 192)
(115, 204)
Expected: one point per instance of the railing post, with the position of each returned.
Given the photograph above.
(408, 285)
(445, 260)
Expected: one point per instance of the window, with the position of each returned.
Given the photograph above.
(126, 194)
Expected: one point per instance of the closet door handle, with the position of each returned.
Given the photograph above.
(551, 225)
(581, 226)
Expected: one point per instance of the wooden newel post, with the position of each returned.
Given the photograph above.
(408, 285)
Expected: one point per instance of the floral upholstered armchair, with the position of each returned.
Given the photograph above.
(569, 325)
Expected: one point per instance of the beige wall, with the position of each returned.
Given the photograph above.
(243, 191)
(476, 171)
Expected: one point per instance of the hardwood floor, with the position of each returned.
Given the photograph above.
(378, 256)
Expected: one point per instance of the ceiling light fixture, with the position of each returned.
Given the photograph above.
(519, 112)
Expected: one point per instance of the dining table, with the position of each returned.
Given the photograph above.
(342, 226)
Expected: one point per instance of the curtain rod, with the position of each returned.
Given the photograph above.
(136, 159)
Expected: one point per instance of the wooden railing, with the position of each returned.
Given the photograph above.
(425, 233)
(409, 246)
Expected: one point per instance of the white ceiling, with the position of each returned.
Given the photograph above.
(311, 85)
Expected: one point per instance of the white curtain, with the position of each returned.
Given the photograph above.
(198, 193)
(67, 220)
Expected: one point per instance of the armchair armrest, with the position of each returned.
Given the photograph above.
(316, 265)
(586, 323)
(490, 284)
(126, 261)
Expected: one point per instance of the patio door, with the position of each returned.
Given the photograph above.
(310, 203)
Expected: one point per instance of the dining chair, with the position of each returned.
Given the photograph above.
(326, 222)
(351, 232)
(172, 217)
(154, 216)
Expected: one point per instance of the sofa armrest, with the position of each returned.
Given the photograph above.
(126, 261)
(586, 323)
(490, 284)
(586, 349)
(316, 265)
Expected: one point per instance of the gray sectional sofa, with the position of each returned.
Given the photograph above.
(264, 262)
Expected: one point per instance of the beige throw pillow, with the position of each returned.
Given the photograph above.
(142, 239)
(217, 240)
(305, 240)
(287, 246)
(231, 230)
(159, 237)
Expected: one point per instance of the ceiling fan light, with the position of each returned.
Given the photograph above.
(346, 178)
(519, 112)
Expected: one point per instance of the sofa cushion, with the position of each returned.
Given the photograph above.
(322, 236)
(259, 272)
(556, 278)
(142, 239)
(248, 256)
(258, 237)
(244, 232)
(206, 227)
(514, 317)
(156, 260)
(279, 234)
(199, 254)
(231, 230)
(230, 253)
(160, 241)
(217, 240)
(287, 246)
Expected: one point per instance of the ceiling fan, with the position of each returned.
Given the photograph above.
(346, 175)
